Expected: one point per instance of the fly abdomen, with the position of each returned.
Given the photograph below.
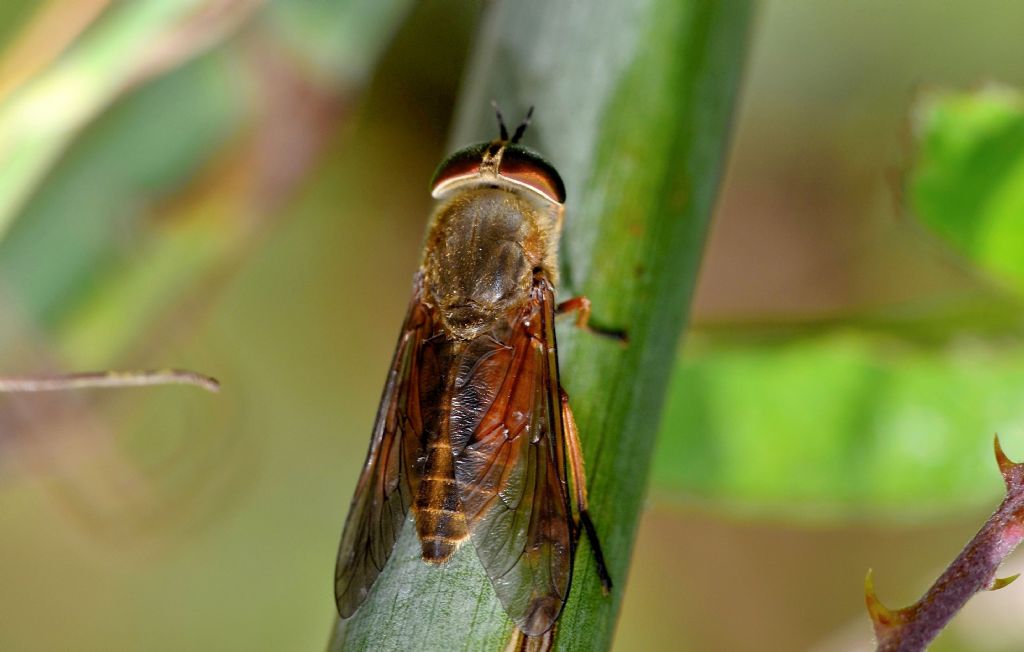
(439, 520)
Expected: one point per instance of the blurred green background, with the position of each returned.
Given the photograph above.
(239, 187)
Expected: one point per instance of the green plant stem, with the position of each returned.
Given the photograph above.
(633, 106)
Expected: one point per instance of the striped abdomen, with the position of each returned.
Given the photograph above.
(439, 520)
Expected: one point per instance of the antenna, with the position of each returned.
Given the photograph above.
(521, 129)
(503, 130)
(501, 120)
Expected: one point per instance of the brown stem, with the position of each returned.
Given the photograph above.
(107, 379)
(974, 569)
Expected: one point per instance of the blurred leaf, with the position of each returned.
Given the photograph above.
(122, 242)
(968, 180)
(13, 14)
(337, 41)
(51, 27)
(839, 424)
(40, 118)
(634, 102)
(893, 418)
(129, 296)
(91, 213)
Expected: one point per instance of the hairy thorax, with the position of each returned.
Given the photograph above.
(482, 250)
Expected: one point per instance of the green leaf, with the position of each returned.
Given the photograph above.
(839, 424)
(633, 105)
(968, 180)
(890, 414)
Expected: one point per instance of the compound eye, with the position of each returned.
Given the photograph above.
(463, 164)
(526, 168)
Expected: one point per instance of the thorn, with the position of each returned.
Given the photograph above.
(879, 613)
(887, 622)
(1006, 465)
(1000, 582)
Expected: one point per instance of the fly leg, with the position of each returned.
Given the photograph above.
(579, 482)
(581, 306)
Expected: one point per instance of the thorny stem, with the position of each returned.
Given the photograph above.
(914, 627)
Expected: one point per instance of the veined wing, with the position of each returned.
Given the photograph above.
(510, 465)
(389, 479)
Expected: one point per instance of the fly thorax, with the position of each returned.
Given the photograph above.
(478, 264)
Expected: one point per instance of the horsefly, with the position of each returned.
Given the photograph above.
(474, 432)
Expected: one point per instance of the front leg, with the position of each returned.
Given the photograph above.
(581, 306)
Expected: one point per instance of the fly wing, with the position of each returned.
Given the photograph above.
(389, 479)
(510, 466)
